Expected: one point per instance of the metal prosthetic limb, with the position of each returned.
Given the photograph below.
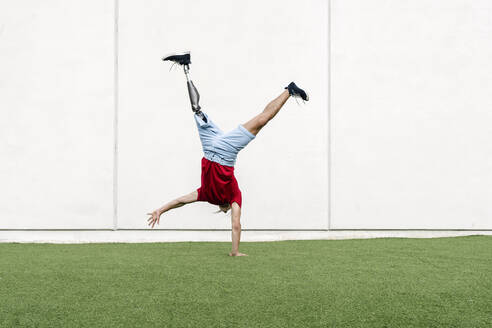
(194, 95)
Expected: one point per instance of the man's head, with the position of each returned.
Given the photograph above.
(224, 208)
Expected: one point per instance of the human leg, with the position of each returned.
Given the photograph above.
(208, 132)
(194, 95)
(256, 123)
(259, 121)
(185, 61)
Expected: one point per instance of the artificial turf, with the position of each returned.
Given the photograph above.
(443, 282)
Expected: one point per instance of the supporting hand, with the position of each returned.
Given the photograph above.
(237, 254)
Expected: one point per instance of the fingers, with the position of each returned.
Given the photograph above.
(237, 254)
(156, 220)
(152, 220)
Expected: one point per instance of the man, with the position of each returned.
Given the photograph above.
(218, 184)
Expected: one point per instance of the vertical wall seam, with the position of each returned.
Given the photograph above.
(329, 118)
(115, 118)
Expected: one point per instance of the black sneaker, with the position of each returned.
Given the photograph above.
(295, 91)
(180, 59)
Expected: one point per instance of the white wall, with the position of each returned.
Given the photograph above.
(410, 120)
(243, 55)
(56, 114)
(411, 114)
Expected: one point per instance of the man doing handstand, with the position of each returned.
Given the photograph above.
(218, 184)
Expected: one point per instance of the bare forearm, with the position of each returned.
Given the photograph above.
(178, 202)
(236, 229)
(236, 237)
(169, 206)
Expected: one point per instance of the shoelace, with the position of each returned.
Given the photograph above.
(296, 95)
(174, 63)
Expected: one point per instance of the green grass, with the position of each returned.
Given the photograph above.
(444, 282)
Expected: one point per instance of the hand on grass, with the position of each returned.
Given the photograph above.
(155, 217)
(237, 254)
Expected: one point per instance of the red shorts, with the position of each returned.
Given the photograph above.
(219, 185)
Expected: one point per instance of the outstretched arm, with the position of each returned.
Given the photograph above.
(178, 202)
(236, 229)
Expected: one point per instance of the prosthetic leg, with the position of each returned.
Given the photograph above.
(185, 61)
(194, 95)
